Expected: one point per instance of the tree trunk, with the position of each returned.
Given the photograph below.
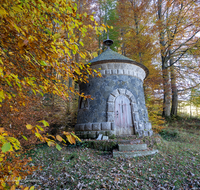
(174, 92)
(165, 72)
(166, 95)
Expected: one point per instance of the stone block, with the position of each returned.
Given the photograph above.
(85, 134)
(133, 100)
(117, 66)
(108, 72)
(110, 106)
(105, 126)
(99, 137)
(146, 133)
(150, 133)
(128, 93)
(140, 133)
(148, 126)
(96, 126)
(111, 98)
(104, 66)
(136, 116)
(113, 126)
(77, 128)
(130, 67)
(141, 125)
(134, 107)
(115, 93)
(132, 154)
(81, 136)
(105, 138)
(94, 66)
(98, 67)
(77, 133)
(111, 65)
(110, 116)
(120, 71)
(114, 71)
(125, 71)
(130, 72)
(92, 135)
(131, 147)
(122, 91)
(102, 72)
(88, 127)
(82, 127)
(136, 125)
(140, 72)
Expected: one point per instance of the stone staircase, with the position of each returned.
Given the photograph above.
(133, 148)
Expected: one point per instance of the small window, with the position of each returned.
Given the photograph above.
(83, 103)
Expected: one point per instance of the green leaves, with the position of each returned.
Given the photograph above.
(24, 137)
(45, 123)
(43, 63)
(58, 147)
(6, 147)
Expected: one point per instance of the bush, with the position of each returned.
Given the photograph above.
(169, 134)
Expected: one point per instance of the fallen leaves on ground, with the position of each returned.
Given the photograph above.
(83, 168)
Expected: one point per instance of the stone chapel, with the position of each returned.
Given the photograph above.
(119, 106)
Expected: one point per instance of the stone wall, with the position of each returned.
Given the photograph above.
(117, 79)
(92, 130)
(101, 88)
(120, 69)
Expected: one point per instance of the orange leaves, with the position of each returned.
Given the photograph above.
(37, 56)
(71, 137)
(59, 138)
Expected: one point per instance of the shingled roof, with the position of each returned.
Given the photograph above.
(110, 55)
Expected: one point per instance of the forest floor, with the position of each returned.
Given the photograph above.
(176, 166)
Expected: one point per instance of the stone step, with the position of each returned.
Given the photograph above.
(130, 154)
(130, 147)
(134, 141)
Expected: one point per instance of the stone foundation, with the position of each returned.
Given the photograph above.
(92, 130)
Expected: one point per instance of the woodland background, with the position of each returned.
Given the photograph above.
(42, 63)
(44, 46)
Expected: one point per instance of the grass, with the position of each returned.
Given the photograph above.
(176, 166)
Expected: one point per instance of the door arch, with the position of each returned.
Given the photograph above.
(123, 116)
(120, 111)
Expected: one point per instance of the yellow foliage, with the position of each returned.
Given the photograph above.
(34, 54)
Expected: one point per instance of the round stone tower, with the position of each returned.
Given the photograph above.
(118, 107)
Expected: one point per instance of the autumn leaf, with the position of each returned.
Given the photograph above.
(59, 138)
(24, 137)
(28, 126)
(13, 187)
(6, 147)
(58, 147)
(45, 123)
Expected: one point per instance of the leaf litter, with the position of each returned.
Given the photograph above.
(175, 167)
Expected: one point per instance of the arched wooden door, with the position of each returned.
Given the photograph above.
(123, 116)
